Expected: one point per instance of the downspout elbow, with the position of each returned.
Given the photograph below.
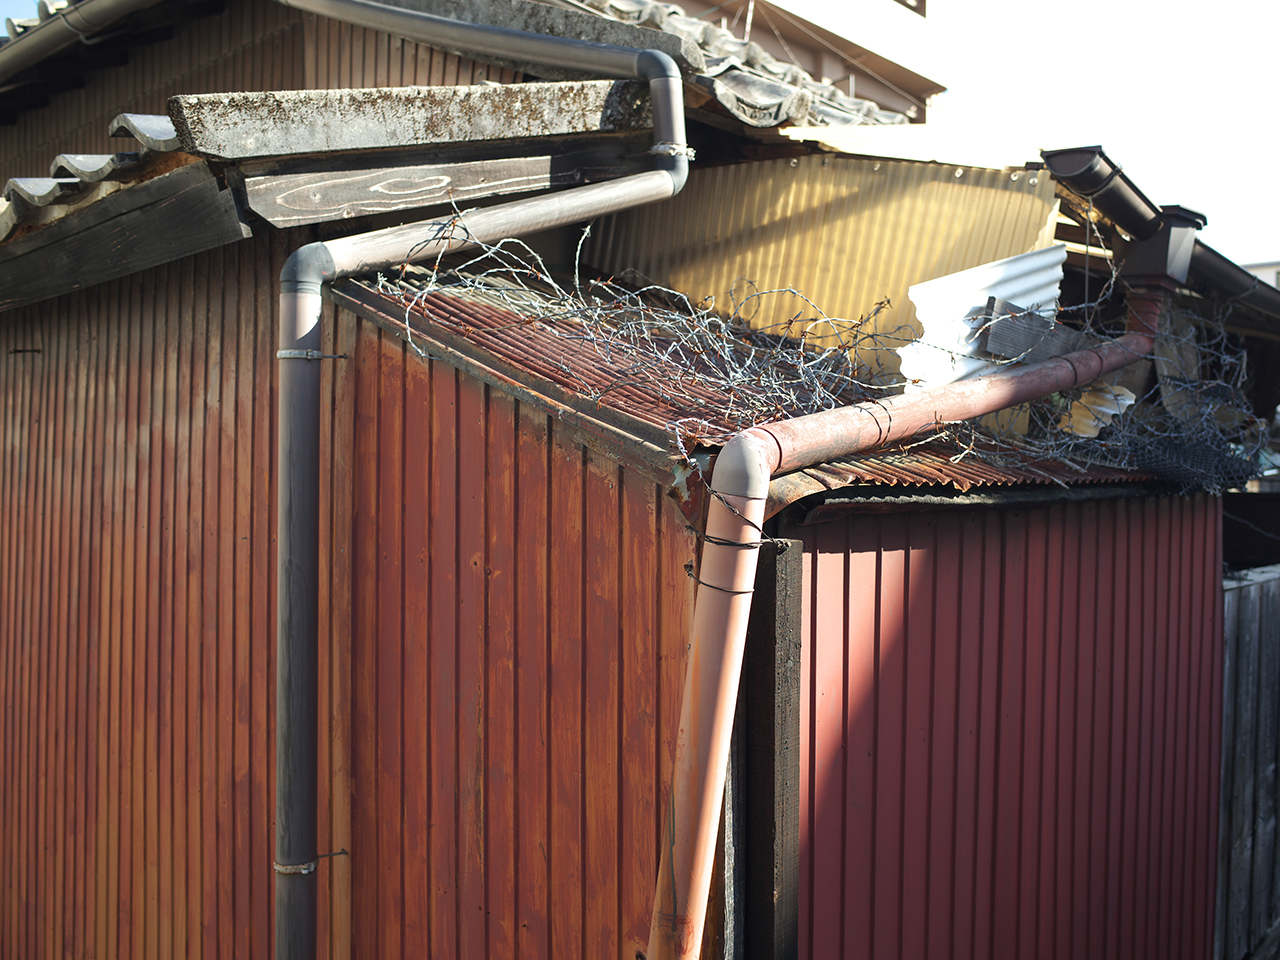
(745, 466)
(666, 93)
(308, 269)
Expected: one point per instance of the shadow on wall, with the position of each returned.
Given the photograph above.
(1008, 733)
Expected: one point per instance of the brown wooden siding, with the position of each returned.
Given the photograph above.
(1010, 732)
(251, 45)
(138, 597)
(503, 642)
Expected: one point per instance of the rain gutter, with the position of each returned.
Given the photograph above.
(1090, 173)
(304, 276)
(75, 23)
(726, 577)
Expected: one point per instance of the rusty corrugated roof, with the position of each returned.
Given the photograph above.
(552, 354)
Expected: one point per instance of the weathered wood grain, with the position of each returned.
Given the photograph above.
(339, 194)
(173, 216)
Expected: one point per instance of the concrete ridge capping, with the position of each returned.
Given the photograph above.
(236, 126)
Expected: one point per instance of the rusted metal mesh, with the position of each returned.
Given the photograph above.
(1183, 415)
(655, 342)
(1188, 420)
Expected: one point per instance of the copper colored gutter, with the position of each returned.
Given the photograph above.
(740, 485)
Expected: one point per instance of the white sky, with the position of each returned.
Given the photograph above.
(1182, 95)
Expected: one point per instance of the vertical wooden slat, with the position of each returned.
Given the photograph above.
(388, 642)
(501, 784)
(364, 623)
(566, 709)
(638, 611)
(416, 684)
(532, 742)
(341, 739)
(601, 656)
(443, 667)
(472, 503)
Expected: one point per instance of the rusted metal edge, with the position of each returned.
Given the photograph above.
(630, 440)
(935, 498)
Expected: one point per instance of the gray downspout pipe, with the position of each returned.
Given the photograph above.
(298, 412)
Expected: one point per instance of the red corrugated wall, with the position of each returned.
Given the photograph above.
(517, 614)
(1010, 732)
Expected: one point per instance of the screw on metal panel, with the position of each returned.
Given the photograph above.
(1033, 181)
(959, 173)
(875, 166)
(795, 162)
(826, 161)
(1014, 176)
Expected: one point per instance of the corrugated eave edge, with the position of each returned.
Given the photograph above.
(630, 440)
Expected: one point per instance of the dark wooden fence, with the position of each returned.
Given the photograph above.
(1248, 868)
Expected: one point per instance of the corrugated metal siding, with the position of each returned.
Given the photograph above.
(1010, 727)
(503, 642)
(517, 619)
(845, 232)
(251, 45)
(138, 596)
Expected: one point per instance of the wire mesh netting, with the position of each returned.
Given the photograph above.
(1180, 414)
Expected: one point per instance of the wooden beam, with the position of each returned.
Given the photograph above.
(173, 216)
(286, 200)
(768, 718)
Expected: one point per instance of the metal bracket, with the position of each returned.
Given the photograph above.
(305, 868)
(308, 355)
(296, 867)
(665, 148)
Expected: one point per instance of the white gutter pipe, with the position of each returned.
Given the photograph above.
(739, 486)
(301, 283)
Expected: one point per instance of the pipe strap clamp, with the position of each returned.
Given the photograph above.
(308, 355)
(665, 148)
(303, 868)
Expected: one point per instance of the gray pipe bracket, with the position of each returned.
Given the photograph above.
(308, 355)
(295, 868)
(665, 148)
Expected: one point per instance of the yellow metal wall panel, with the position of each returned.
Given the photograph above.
(845, 232)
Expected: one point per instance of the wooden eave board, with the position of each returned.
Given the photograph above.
(173, 216)
(295, 191)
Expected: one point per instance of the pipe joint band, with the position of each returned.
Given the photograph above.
(296, 868)
(308, 355)
(665, 148)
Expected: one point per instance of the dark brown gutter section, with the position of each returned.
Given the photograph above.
(1090, 173)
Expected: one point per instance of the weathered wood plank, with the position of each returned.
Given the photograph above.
(339, 194)
(769, 718)
(1230, 629)
(237, 126)
(1264, 814)
(187, 213)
